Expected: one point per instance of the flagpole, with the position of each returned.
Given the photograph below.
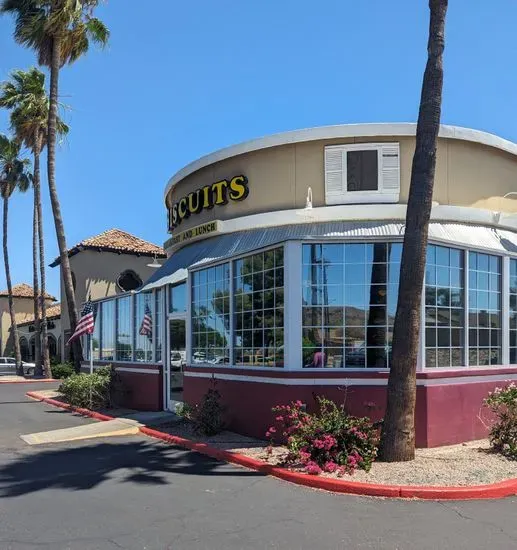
(91, 353)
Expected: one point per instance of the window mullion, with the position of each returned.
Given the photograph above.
(505, 307)
(293, 305)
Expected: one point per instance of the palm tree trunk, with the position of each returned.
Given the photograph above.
(54, 200)
(35, 278)
(14, 326)
(45, 359)
(398, 434)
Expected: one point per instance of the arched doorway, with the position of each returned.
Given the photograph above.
(52, 346)
(24, 349)
(32, 348)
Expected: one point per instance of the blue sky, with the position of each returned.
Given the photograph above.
(185, 78)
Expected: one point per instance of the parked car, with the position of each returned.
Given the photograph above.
(8, 367)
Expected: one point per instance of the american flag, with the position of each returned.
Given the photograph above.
(86, 322)
(146, 328)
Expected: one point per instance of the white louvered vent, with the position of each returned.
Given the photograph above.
(334, 181)
(390, 158)
(388, 183)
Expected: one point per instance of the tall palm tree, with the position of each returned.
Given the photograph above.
(13, 176)
(60, 32)
(26, 96)
(398, 434)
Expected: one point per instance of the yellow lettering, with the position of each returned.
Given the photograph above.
(182, 208)
(219, 190)
(239, 188)
(194, 205)
(206, 197)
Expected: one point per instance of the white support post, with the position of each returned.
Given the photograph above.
(293, 359)
(188, 320)
(466, 318)
(420, 361)
(232, 315)
(505, 309)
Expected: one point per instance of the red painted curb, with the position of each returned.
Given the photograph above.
(426, 492)
(44, 380)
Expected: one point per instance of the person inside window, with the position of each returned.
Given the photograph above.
(318, 359)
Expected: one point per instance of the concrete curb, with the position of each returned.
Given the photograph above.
(43, 380)
(476, 492)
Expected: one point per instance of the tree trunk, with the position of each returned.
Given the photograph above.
(37, 327)
(14, 326)
(398, 434)
(45, 359)
(66, 273)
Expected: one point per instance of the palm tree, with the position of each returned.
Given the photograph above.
(25, 95)
(398, 434)
(13, 175)
(60, 32)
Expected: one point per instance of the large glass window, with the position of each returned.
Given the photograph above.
(513, 312)
(124, 341)
(108, 331)
(96, 343)
(484, 309)
(178, 298)
(143, 327)
(444, 307)
(158, 321)
(259, 309)
(211, 315)
(349, 303)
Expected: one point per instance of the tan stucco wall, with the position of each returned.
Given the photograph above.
(24, 308)
(467, 174)
(96, 274)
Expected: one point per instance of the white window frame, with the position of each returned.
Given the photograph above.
(381, 194)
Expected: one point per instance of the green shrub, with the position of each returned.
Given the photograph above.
(92, 391)
(62, 371)
(207, 417)
(328, 440)
(503, 434)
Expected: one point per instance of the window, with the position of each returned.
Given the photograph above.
(484, 309)
(124, 341)
(211, 315)
(444, 307)
(108, 331)
(96, 336)
(178, 298)
(143, 327)
(513, 312)
(348, 304)
(129, 280)
(158, 321)
(259, 309)
(367, 172)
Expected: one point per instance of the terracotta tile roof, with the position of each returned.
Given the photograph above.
(53, 312)
(116, 240)
(24, 290)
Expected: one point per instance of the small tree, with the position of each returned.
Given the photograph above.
(398, 433)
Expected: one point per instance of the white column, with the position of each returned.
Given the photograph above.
(232, 315)
(505, 310)
(466, 307)
(188, 320)
(420, 360)
(293, 305)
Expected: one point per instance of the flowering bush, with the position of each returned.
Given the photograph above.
(503, 434)
(329, 440)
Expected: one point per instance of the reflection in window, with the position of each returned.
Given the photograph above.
(444, 307)
(108, 331)
(513, 311)
(259, 309)
(178, 298)
(211, 315)
(143, 327)
(96, 348)
(158, 323)
(349, 303)
(484, 309)
(124, 347)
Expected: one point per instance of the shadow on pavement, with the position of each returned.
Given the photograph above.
(85, 467)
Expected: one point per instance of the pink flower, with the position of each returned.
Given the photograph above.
(268, 434)
(272, 430)
(279, 418)
(298, 403)
(312, 468)
(304, 457)
(330, 466)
